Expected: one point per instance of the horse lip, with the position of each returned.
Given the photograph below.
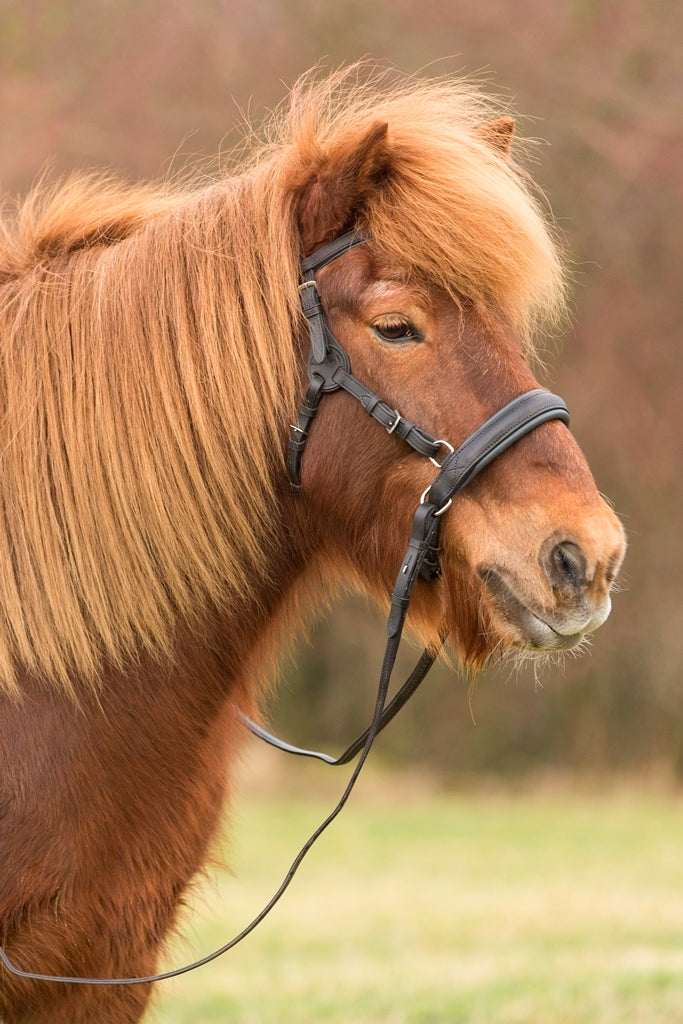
(536, 632)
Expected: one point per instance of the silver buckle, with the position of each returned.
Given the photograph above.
(307, 284)
(396, 422)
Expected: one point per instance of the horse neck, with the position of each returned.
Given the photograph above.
(158, 728)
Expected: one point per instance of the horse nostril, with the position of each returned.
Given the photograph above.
(566, 564)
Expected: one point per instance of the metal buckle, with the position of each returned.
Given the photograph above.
(396, 422)
(443, 444)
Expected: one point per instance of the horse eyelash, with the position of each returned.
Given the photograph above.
(395, 322)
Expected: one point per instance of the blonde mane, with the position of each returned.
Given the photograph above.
(148, 368)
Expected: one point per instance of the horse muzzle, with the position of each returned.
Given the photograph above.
(545, 628)
(570, 600)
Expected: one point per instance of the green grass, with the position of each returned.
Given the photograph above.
(420, 908)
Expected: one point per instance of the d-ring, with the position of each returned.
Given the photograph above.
(442, 444)
(443, 508)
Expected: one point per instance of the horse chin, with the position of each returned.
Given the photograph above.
(524, 627)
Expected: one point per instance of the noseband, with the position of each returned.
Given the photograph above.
(329, 368)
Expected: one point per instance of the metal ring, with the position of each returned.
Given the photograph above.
(442, 509)
(443, 444)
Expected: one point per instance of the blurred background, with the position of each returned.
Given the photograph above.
(145, 87)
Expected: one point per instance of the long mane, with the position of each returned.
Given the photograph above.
(147, 362)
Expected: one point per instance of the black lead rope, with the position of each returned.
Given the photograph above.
(329, 369)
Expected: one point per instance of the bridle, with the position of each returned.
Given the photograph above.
(329, 369)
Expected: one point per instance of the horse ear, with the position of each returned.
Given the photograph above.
(333, 197)
(498, 134)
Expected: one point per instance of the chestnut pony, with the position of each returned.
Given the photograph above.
(153, 554)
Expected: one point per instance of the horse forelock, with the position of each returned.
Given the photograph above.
(453, 209)
(149, 370)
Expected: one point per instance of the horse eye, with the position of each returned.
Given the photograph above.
(396, 329)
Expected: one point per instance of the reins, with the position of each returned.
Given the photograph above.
(329, 369)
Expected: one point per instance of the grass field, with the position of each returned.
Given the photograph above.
(425, 908)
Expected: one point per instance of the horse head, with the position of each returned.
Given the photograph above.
(530, 549)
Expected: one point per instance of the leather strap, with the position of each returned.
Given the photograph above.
(401, 697)
(299, 431)
(391, 419)
(310, 299)
(329, 252)
(503, 429)
(513, 421)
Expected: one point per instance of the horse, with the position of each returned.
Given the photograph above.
(155, 558)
